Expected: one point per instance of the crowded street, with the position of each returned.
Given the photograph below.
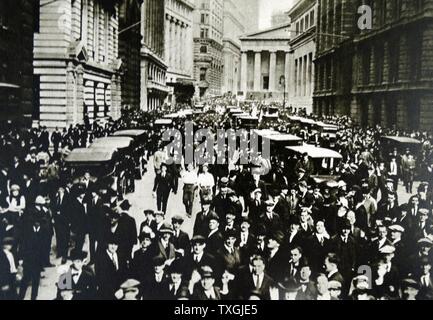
(228, 150)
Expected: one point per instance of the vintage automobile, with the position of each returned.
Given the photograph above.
(390, 143)
(123, 147)
(139, 138)
(247, 122)
(163, 123)
(325, 161)
(100, 163)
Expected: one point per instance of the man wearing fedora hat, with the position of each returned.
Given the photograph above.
(204, 285)
(269, 218)
(83, 281)
(214, 240)
(276, 257)
(129, 228)
(109, 268)
(229, 254)
(166, 249)
(141, 263)
(180, 239)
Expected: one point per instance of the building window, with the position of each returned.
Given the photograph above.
(297, 28)
(302, 26)
(203, 74)
(366, 58)
(96, 32)
(415, 54)
(378, 57)
(265, 82)
(203, 49)
(394, 53)
(312, 18)
(307, 22)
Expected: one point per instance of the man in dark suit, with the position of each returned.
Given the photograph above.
(78, 216)
(56, 138)
(166, 249)
(345, 247)
(387, 280)
(255, 279)
(96, 220)
(256, 207)
(331, 263)
(83, 280)
(229, 254)
(276, 257)
(180, 239)
(201, 224)
(245, 239)
(32, 250)
(162, 188)
(176, 281)
(379, 242)
(8, 270)
(317, 246)
(198, 257)
(109, 269)
(141, 264)
(214, 239)
(221, 202)
(59, 210)
(149, 221)
(129, 227)
(204, 288)
(282, 207)
(270, 219)
(156, 284)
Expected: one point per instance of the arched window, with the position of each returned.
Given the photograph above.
(203, 49)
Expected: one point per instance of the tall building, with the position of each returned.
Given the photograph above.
(303, 17)
(17, 23)
(336, 27)
(76, 66)
(208, 47)
(179, 50)
(265, 63)
(378, 76)
(393, 66)
(234, 27)
(153, 67)
(129, 52)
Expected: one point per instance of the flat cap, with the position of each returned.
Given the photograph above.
(396, 228)
(387, 249)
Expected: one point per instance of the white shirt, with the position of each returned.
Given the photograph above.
(10, 257)
(190, 177)
(197, 257)
(244, 238)
(210, 294)
(113, 257)
(76, 275)
(260, 279)
(324, 297)
(330, 274)
(205, 180)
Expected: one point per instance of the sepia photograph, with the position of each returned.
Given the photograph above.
(216, 150)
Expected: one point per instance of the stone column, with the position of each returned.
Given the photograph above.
(370, 112)
(372, 66)
(288, 75)
(386, 55)
(244, 73)
(272, 71)
(257, 71)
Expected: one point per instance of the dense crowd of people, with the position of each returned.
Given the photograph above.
(279, 236)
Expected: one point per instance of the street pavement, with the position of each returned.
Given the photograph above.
(140, 200)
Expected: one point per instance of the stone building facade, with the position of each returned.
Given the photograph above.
(393, 66)
(17, 24)
(179, 49)
(303, 50)
(153, 67)
(76, 64)
(379, 76)
(208, 47)
(129, 52)
(265, 63)
(234, 27)
(336, 26)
